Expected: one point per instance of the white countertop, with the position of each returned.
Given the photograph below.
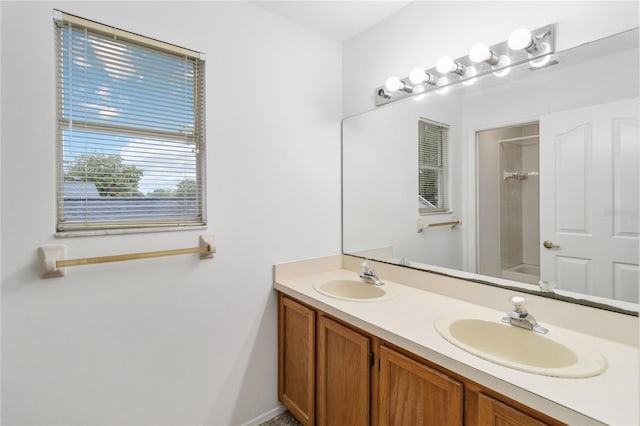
(407, 321)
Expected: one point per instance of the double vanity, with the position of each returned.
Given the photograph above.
(413, 347)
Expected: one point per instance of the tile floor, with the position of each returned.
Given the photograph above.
(284, 419)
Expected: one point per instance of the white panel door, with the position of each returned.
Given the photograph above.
(589, 199)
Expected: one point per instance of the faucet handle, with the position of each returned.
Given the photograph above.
(519, 303)
(366, 269)
(546, 286)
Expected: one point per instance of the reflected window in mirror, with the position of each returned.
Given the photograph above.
(433, 166)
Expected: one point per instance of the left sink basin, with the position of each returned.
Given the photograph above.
(354, 290)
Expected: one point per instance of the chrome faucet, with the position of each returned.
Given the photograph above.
(368, 275)
(521, 318)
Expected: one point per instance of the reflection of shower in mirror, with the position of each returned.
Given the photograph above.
(508, 201)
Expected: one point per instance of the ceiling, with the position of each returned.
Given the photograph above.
(339, 20)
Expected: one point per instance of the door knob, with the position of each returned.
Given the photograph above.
(548, 244)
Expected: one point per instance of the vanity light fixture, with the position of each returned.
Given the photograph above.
(503, 63)
(446, 65)
(480, 52)
(522, 46)
(543, 61)
(444, 83)
(419, 76)
(521, 39)
(471, 72)
(383, 93)
(393, 84)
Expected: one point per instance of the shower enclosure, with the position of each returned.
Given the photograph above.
(509, 203)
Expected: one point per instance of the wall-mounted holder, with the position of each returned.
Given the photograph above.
(47, 258)
(53, 264)
(422, 225)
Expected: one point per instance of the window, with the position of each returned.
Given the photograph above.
(130, 113)
(433, 166)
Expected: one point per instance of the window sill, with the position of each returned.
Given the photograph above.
(100, 232)
(422, 212)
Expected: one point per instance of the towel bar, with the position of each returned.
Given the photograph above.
(52, 263)
(422, 226)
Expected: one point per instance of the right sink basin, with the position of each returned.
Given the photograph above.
(521, 349)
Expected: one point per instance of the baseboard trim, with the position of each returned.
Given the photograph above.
(266, 416)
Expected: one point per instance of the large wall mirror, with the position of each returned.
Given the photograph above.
(529, 180)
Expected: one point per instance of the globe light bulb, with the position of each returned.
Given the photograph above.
(480, 52)
(393, 84)
(519, 39)
(445, 65)
(417, 76)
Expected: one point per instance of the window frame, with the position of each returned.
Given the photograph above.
(425, 206)
(183, 220)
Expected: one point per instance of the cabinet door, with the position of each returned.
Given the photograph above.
(343, 374)
(492, 412)
(296, 358)
(413, 394)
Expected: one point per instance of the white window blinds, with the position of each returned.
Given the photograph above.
(130, 130)
(433, 163)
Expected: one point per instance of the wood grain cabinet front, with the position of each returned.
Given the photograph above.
(492, 412)
(485, 410)
(333, 374)
(412, 393)
(296, 359)
(342, 374)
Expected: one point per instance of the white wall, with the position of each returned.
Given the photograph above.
(511, 208)
(531, 203)
(418, 34)
(172, 340)
(380, 183)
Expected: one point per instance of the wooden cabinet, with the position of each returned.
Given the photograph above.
(484, 407)
(330, 373)
(411, 393)
(296, 359)
(492, 412)
(343, 374)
